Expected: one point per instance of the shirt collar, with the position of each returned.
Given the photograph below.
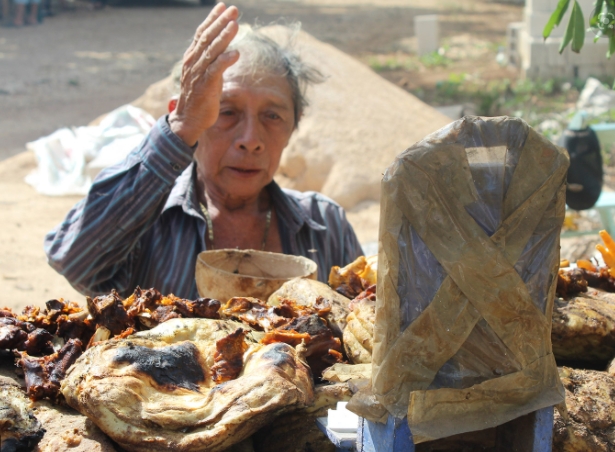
(288, 209)
(183, 193)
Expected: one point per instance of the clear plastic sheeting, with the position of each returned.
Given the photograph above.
(469, 253)
(69, 159)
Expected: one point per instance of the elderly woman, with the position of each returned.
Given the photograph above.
(203, 178)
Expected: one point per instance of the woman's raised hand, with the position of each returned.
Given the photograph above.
(201, 82)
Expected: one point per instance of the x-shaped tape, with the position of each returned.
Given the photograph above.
(430, 186)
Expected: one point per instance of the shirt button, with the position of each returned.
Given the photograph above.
(176, 166)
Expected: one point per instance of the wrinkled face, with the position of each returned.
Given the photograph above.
(241, 152)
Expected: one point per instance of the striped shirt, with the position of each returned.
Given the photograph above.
(141, 225)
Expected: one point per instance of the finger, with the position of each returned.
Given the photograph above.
(218, 46)
(210, 19)
(213, 31)
(222, 63)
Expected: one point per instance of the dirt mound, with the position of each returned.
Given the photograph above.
(356, 124)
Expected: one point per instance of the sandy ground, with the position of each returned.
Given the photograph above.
(81, 63)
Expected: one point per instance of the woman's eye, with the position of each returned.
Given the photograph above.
(274, 116)
(227, 113)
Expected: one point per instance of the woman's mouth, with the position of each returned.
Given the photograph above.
(244, 172)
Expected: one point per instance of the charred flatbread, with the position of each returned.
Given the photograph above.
(157, 389)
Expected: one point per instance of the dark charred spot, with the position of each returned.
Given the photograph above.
(279, 356)
(176, 366)
(313, 325)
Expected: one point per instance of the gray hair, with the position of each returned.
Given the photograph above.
(261, 54)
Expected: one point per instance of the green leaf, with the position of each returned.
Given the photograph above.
(611, 45)
(555, 18)
(578, 36)
(575, 31)
(595, 19)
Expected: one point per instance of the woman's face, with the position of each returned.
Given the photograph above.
(241, 152)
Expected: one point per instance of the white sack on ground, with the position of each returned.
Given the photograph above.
(596, 98)
(68, 159)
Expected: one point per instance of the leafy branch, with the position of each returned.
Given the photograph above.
(601, 22)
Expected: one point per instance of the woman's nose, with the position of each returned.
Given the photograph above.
(250, 135)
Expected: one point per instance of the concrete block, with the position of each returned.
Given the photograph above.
(535, 54)
(577, 59)
(587, 6)
(554, 58)
(541, 5)
(427, 33)
(535, 22)
(591, 70)
(595, 52)
(514, 32)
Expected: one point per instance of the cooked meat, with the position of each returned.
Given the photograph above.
(19, 428)
(355, 277)
(74, 326)
(38, 342)
(297, 431)
(108, 311)
(288, 337)
(140, 414)
(44, 375)
(369, 293)
(601, 279)
(10, 333)
(359, 333)
(142, 301)
(352, 287)
(583, 328)
(333, 357)
(32, 314)
(229, 356)
(323, 349)
(163, 313)
(253, 312)
(291, 309)
(307, 292)
(587, 423)
(24, 336)
(151, 308)
(204, 308)
(576, 280)
(571, 282)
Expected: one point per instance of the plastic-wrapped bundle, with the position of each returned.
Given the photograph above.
(469, 253)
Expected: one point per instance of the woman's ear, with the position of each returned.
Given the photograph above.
(172, 103)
